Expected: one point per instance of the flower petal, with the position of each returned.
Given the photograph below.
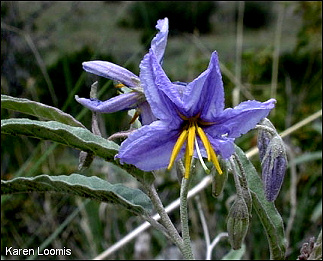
(149, 147)
(205, 95)
(161, 93)
(274, 165)
(124, 101)
(112, 71)
(274, 179)
(146, 114)
(158, 44)
(163, 83)
(223, 146)
(236, 121)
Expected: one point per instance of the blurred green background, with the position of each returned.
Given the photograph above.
(274, 49)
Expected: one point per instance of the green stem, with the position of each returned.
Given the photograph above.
(243, 176)
(167, 223)
(188, 254)
(236, 178)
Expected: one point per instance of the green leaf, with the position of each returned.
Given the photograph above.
(75, 137)
(88, 187)
(38, 109)
(141, 176)
(266, 211)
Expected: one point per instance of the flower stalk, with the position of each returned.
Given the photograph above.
(188, 253)
(167, 223)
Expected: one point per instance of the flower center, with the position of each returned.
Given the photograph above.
(190, 131)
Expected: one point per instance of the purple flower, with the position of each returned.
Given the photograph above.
(188, 115)
(135, 99)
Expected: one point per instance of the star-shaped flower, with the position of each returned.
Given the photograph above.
(135, 99)
(191, 119)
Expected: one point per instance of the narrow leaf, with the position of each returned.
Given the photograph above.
(266, 211)
(88, 187)
(75, 137)
(38, 109)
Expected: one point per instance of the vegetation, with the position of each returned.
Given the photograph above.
(43, 45)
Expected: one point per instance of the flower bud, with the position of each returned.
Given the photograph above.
(238, 223)
(247, 198)
(264, 137)
(274, 164)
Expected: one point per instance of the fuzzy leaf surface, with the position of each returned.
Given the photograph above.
(38, 109)
(75, 137)
(88, 187)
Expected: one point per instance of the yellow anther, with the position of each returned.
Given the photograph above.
(190, 139)
(188, 160)
(205, 141)
(215, 161)
(211, 155)
(189, 133)
(189, 149)
(177, 147)
(119, 85)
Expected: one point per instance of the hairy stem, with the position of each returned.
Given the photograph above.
(236, 177)
(188, 254)
(167, 223)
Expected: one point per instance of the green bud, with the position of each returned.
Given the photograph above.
(238, 223)
(247, 198)
(219, 180)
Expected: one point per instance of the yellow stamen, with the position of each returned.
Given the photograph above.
(188, 160)
(177, 147)
(119, 85)
(215, 161)
(190, 139)
(189, 149)
(211, 155)
(189, 133)
(205, 141)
